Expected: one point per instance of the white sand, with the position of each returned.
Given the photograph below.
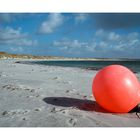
(49, 96)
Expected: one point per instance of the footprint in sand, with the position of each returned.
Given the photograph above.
(98, 122)
(18, 87)
(14, 112)
(83, 96)
(37, 109)
(24, 119)
(33, 96)
(65, 112)
(71, 91)
(75, 114)
(53, 110)
(57, 110)
(62, 81)
(71, 122)
(55, 78)
(31, 90)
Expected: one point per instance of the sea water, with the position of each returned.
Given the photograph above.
(134, 65)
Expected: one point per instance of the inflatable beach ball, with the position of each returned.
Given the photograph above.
(116, 89)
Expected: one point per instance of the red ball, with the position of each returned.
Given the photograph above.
(116, 89)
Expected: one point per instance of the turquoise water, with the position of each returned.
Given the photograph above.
(133, 65)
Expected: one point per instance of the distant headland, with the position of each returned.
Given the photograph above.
(5, 55)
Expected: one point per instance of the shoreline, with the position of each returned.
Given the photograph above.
(95, 68)
(50, 96)
(30, 63)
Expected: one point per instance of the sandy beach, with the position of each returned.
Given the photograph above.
(52, 96)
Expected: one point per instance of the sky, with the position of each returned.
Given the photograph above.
(86, 35)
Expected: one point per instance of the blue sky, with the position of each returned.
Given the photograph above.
(109, 35)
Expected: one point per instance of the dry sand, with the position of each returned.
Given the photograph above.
(50, 96)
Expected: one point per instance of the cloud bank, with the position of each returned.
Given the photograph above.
(81, 17)
(51, 24)
(10, 36)
(104, 44)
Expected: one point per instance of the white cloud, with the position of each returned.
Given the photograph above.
(113, 36)
(25, 42)
(80, 17)
(10, 36)
(104, 44)
(117, 45)
(16, 49)
(99, 32)
(134, 42)
(70, 46)
(50, 25)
